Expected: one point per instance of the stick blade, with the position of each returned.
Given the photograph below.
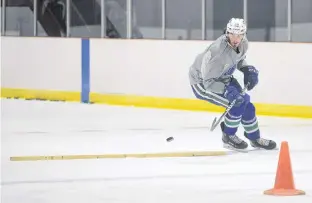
(213, 125)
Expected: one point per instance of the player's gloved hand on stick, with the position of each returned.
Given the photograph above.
(231, 94)
(250, 76)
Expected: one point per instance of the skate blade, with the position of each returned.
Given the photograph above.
(227, 146)
(254, 149)
(213, 125)
(262, 149)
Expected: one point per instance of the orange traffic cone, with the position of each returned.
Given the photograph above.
(284, 180)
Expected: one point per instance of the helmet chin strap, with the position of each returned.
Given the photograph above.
(233, 47)
(228, 39)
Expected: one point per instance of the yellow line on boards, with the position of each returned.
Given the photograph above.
(280, 110)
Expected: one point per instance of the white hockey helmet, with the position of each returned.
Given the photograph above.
(236, 26)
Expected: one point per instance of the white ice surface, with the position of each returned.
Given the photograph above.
(48, 128)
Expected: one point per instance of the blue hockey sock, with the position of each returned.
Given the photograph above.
(232, 120)
(250, 122)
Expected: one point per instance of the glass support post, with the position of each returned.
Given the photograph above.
(103, 19)
(163, 19)
(129, 19)
(203, 19)
(35, 16)
(68, 5)
(245, 12)
(3, 17)
(289, 20)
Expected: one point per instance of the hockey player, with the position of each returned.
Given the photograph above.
(211, 78)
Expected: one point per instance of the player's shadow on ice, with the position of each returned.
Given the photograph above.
(133, 178)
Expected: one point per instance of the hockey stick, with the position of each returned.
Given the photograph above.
(216, 122)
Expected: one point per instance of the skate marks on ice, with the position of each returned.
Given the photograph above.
(206, 128)
(145, 177)
(264, 123)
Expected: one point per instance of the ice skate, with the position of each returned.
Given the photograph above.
(262, 143)
(232, 142)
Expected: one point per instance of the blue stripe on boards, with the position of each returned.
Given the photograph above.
(85, 70)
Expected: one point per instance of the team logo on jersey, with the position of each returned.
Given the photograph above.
(230, 70)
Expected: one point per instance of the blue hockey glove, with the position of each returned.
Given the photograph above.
(250, 76)
(231, 93)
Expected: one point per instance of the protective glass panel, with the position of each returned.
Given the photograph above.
(267, 20)
(116, 18)
(51, 18)
(301, 24)
(146, 19)
(218, 13)
(19, 18)
(85, 18)
(183, 19)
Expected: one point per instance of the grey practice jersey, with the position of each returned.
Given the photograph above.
(215, 66)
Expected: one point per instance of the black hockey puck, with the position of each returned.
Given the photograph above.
(169, 139)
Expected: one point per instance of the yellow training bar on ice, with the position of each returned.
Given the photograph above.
(113, 156)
